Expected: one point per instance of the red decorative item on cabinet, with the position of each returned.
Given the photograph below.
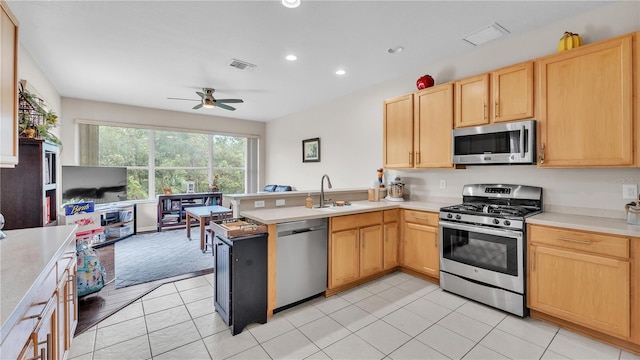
(425, 82)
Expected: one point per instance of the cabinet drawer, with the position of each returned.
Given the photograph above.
(579, 240)
(421, 217)
(355, 221)
(391, 215)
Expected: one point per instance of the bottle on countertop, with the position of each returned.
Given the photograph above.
(308, 202)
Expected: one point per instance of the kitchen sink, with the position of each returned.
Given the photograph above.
(335, 208)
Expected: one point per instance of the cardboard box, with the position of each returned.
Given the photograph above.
(85, 222)
(79, 208)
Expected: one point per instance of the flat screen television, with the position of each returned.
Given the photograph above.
(100, 184)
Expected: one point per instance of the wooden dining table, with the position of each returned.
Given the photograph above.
(203, 214)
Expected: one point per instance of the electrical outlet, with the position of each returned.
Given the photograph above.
(280, 202)
(630, 192)
(259, 203)
(443, 184)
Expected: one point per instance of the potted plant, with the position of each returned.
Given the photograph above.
(34, 121)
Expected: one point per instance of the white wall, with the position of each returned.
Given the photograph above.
(350, 128)
(37, 82)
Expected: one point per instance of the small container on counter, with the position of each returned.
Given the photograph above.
(374, 191)
(308, 202)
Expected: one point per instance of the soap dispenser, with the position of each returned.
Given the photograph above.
(308, 202)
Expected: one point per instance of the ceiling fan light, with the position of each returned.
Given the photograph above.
(291, 3)
(208, 103)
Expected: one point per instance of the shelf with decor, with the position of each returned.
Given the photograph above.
(172, 208)
(29, 191)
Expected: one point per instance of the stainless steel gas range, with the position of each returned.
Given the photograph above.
(483, 244)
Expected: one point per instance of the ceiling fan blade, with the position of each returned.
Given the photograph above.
(183, 99)
(200, 93)
(197, 106)
(229, 101)
(225, 106)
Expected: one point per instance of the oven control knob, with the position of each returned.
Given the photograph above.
(507, 222)
(449, 216)
(496, 221)
(458, 217)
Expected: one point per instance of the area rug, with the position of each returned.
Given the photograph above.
(159, 255)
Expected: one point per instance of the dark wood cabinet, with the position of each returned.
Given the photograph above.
(28, 192)
(240, 293)
(172, 208)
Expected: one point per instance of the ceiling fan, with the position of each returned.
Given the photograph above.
(208, 101)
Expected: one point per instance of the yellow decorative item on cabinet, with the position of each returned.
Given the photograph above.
(569, 41)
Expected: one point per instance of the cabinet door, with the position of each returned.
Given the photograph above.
(370, 250)
(29, 350)
(590, 290)
(63, 317)
(586, 110)
(390, 248)
(8, 87)
(398, 132)
(343, 257)
(46, 332)
(420, 251)
(472, 101)
(512, 92)
(71, 306)
(433, 124)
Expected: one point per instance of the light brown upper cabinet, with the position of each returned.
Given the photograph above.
(417, 129)
(397, 145)
(9, 88)
(502, 95)
(586, 106)
(433, 118)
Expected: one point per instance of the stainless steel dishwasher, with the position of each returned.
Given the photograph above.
(301, 251)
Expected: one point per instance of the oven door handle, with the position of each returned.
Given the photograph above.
(482, 229)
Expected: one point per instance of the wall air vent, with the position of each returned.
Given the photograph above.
(242, 65)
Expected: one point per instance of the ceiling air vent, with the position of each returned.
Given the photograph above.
(242, 65)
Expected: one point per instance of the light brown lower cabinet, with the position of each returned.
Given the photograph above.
(355, 247)
(420, 242)
(586, 278)
(391, 237)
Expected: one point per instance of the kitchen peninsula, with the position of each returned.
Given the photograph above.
(38, 299)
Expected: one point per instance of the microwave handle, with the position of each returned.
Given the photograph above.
(522, 142)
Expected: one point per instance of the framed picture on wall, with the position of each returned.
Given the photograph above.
(311, 150)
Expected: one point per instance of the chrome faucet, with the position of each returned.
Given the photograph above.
(322, 200)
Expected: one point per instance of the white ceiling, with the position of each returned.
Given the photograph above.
(141, 52)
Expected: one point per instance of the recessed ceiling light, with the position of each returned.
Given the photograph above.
(341, 72)
(291, 3)
(395, 49)
(291, 57)
(485, 34)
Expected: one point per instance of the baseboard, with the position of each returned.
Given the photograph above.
(146, 229)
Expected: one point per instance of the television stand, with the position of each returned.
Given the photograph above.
(118, 220)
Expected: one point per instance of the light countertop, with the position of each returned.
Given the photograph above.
(587, 223)
(24, 257)
(295, 213)
(578, 222)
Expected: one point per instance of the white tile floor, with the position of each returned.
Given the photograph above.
(395, 317)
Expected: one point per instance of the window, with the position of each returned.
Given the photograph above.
(157, 159)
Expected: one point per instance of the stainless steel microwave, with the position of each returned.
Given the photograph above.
(505, 143)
